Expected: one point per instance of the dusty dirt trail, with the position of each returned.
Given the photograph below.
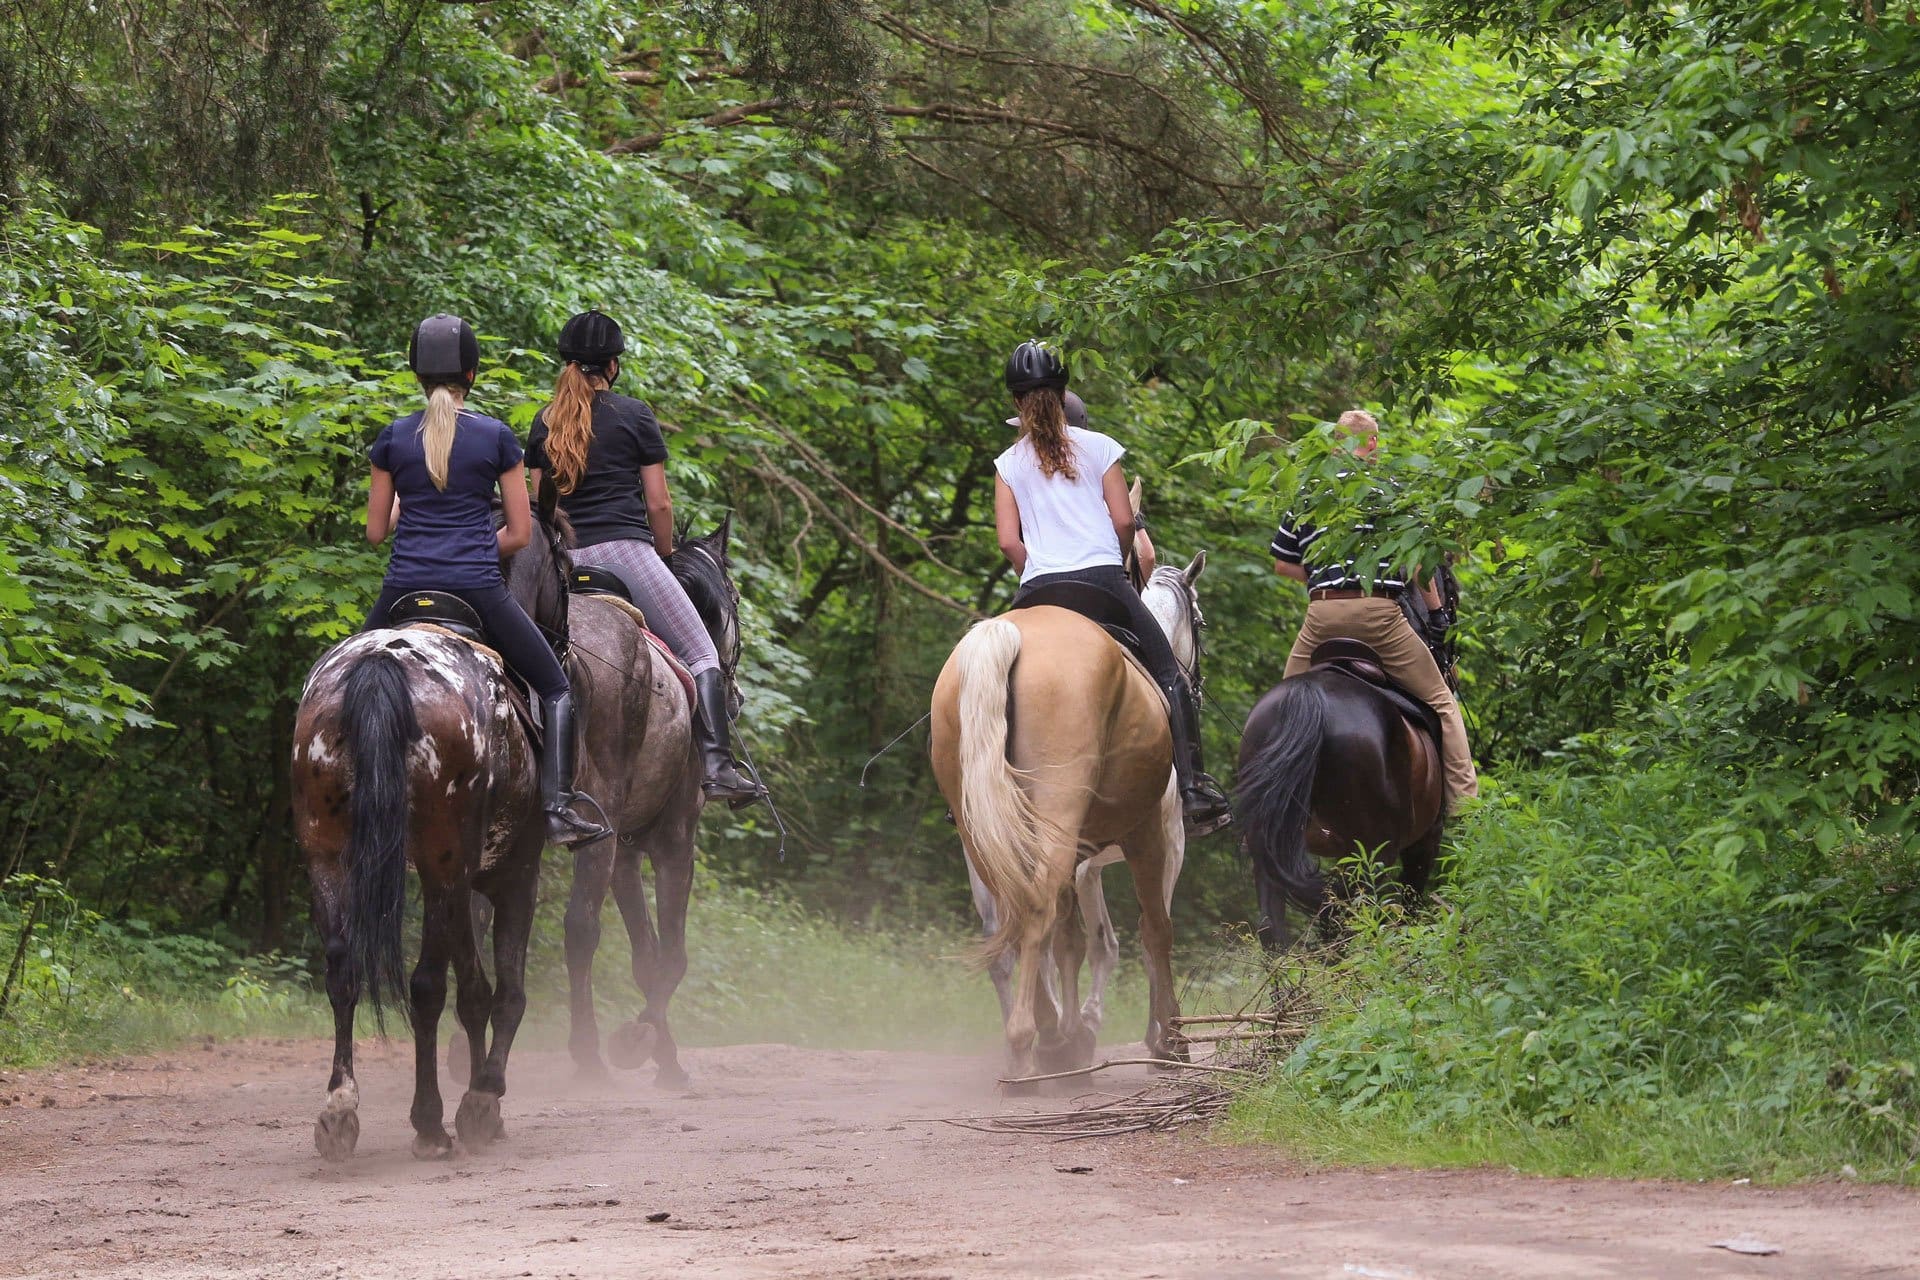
(797, 1162)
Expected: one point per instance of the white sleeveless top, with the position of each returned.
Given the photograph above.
(1063, 522)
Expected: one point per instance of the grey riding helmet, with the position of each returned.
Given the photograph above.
(1076, 412)
(443, 349)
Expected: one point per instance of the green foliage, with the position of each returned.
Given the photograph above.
(1741, 1007)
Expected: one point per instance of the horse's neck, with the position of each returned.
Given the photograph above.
(1170, 611)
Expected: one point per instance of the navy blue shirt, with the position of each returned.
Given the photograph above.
(446, 538)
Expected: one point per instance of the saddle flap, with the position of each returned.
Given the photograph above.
(442, 609)
(594, 580)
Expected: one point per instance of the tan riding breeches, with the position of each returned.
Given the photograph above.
(1377, 621)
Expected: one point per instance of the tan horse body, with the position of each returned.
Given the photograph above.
(1052, 745)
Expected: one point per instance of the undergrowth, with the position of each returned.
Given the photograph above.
(1618, 981)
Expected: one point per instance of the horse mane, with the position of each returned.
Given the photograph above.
(704, 581)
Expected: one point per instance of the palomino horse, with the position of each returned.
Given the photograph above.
(1329, 766)
(638, 759)
(1052, 746)
(1170, 596)
(409, 749)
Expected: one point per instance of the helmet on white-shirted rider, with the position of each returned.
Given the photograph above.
(443, 348)
(1033, 366)
(591, 339)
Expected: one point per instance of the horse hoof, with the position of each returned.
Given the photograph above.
(335, 1134)
(432, 1146)
(672, 1075)
(459, 1057)
(478, 1120)
(632, 1045)
(1081, 1046)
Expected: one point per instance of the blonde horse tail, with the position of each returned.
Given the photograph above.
(1005, 835)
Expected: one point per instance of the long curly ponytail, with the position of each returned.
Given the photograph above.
(569, 419)
(1043, 417)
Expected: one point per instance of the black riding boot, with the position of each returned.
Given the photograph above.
(724, 780)
(557, 796)
(1206, 807)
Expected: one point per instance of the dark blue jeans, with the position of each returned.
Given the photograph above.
(509, 630)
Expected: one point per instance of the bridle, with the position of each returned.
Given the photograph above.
(1176, 581)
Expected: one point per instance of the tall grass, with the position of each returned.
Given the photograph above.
(1621, 982)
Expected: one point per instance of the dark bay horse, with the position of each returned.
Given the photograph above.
(1329, 766)
(638, 758)
(408, 748)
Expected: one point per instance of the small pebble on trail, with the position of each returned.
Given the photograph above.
(661, 1216)
(1073, 1168)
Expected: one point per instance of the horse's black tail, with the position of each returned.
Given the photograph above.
(381, 727)
(1273, 794)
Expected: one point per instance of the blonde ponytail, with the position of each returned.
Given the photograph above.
(436, 430)
(569, 419)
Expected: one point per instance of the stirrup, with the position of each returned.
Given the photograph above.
(1208, 812)
(580, 830)
(755, 792)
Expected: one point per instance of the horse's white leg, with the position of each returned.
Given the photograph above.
(1103, 945)
(1001, 970)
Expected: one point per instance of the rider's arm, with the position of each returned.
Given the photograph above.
(1113, 487)
(1006, 523)
(383, 508)
(518, 530)
(1287, 569)
(653, 482)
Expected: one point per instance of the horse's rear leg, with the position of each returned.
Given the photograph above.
(475, 993)
(428, 992)
(478, 1120)
(631, 1046)
(592, 870)
(672, 889)
(1416, 863)
(1001, 969)
(1103, 953)
(1147, 861)
(337, 1130)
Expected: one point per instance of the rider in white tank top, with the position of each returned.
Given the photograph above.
(1063, 522)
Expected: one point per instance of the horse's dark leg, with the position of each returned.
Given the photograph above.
(632, 1046)
(1001, 970)
(478, 1120)
(592, 871)
(337, 1130)
(673, 888)
(466, 1047)
(1416, 863)
(475, 994)
(428, 992)
(1061, 1050)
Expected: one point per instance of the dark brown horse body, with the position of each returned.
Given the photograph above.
(1329, 766)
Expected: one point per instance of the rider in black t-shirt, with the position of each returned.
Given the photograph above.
(608, 459)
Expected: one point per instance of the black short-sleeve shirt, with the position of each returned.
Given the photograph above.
(607, 503)
(446, 538)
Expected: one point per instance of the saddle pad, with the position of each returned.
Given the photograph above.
(676, 666)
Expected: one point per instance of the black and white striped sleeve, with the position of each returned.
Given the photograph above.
(1290, 541)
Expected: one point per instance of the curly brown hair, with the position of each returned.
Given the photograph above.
(569, 419)
(1043, 419)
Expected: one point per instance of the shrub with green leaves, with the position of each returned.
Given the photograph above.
(1614, 982)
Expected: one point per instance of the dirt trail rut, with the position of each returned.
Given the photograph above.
(786, 1161)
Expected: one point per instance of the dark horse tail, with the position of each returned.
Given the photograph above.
(1273, 793)
(381, 726)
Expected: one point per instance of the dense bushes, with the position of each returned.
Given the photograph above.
(1618, 981)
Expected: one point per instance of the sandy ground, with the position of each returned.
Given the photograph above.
(785, 1162)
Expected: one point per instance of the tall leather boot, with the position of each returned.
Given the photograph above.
(557, 796)
(1205, 805)
(724, 780)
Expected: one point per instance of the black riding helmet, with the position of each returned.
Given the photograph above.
(591, 339)
(443, 348)
(1033, 366)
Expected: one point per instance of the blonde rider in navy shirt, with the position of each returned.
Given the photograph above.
(443, 464)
